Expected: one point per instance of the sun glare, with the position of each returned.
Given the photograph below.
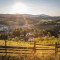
(19, 8)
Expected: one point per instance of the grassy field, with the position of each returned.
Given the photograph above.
(42, 52)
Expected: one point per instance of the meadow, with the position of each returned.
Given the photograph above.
(36, 50)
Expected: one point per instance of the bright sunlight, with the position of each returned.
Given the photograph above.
(19, 8)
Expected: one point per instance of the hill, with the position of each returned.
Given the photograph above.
(12, 21)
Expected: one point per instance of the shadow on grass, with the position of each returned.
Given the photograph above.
(25, 57)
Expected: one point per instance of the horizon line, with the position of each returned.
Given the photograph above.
(26, 14)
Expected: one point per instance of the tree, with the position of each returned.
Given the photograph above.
(3, 36)
(16, 33)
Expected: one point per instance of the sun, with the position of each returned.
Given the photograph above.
(19, 8)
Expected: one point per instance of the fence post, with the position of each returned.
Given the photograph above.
(34, 49)
(56, 50)
(5, 48)
(34, 46)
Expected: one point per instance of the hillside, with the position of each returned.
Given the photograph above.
(12, 21)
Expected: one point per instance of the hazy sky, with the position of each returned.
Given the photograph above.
(49, 7)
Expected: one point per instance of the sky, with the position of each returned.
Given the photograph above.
(35, 7)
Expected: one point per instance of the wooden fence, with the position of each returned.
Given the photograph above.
(16, 51)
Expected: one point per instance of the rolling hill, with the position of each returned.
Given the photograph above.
(12, 21)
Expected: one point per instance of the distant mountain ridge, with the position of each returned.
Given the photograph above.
(17, 20)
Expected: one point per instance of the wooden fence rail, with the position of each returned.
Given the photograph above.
(23, 50)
